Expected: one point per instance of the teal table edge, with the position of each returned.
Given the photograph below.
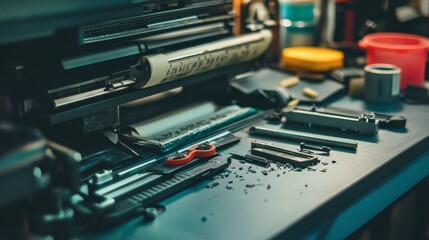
(372, 203)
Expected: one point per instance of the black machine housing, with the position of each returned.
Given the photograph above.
(52, 54)
(52, 50)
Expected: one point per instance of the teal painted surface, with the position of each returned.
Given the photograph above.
(297, 12)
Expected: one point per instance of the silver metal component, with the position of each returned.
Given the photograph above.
(223, 134)
(132, 26)
(304, 137)
(78, 85)
(113, 136)
(119, 84)
(132, 185)
(365, 124)
(367, 117)
(179, 21)
(110, 87)
(106, 203)
(303, 146)
(140, 166)
(61, 102)
(122, 183)
(102, 176)
(120, 142)
(217, 27)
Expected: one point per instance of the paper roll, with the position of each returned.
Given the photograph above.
(161, 68)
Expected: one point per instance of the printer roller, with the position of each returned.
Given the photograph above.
(160, 68)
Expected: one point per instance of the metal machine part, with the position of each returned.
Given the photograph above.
(260, 161)
(221, 141)
(282, 155)
(384, 120)
(306, 137)
(157, 19)
(130, 199)
(86, 61)
(107, 21)
(175, 65)
(128, 173)
(114, 196)
(303, 146)
(34, 175)
(365, 124)
(194, 130)
(110, 87)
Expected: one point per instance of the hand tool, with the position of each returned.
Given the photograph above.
(198, 151)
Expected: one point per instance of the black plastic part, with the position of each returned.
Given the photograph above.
(275, 97)
(416, 93)
(393, 122)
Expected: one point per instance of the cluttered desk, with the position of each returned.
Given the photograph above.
(220, 119)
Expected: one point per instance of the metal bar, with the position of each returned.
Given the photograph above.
(304, 137)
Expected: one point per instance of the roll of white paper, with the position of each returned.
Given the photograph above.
(166, 67)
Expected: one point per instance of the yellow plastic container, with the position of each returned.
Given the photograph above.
(316, 59)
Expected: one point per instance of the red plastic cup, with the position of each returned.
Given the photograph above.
(407, 51)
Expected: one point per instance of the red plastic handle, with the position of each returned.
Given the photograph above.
(194, 152)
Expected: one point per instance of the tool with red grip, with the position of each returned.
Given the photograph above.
(198, 151)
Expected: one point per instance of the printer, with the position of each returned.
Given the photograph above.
(97, 94)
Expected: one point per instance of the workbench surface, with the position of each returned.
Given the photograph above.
(330, 200)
